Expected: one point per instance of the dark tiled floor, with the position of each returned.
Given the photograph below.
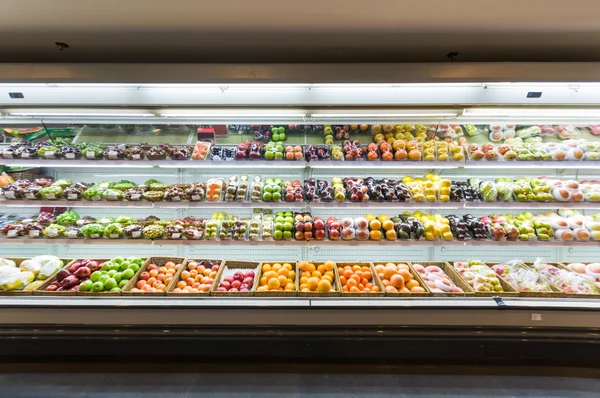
(248, 385)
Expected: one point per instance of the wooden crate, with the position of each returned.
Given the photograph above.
(41, 289)
(178, 278)
(375, 280)
(108, 294)
(224, 271)
(160, 261)
(454, 277)
(555, 292)
(336, 292)
(508, 289)
(573, 295)
(415, 275)
(277, 293)
(18, 261)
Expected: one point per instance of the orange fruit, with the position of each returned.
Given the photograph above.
(313, 283)
(324, 286)
(405, 274)
(412, 283)
(273, 283)
(266, 267)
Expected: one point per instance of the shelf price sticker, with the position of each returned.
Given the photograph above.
(536, 317)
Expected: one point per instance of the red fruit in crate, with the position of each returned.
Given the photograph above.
(238, 276)
(62, 274)
(249, 274)
(144, 276)
(83, 273)
(74, 267)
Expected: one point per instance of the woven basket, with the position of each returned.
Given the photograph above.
(41, 290)
(374, 280)
(277, 293)
(555, 292)
(508, 289)
(160, 261)
(454, 277)
(336, 292)
(178, 278)
(107, 294)
(572, 295)
(234, 264)
(415, 275)
(18, 261)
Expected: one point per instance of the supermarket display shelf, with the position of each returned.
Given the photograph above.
(299, 204)
(284, 164)
(313, 243)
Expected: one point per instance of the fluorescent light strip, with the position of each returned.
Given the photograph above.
(83, 114)
(233, 115)
(375, 115)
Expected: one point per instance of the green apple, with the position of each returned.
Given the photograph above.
(279, 181)
(95, 276)
(287, 235)
(98, 287)
(282, 136)
(281, 129)
(118, 277)
(111, 283)
(86, 286)
(275, 137)
(134, 267)
(103, 279)
(115, 267)
(269, 155)
(278, 155)
(111, 273)
(289, 219)
(288, 214)
(280, 219)
(118, 260)
(123, 283)
(127, 274)
(278, 226)
(106, 266)
(288, 226)
(115, 289)
(277, 234)
(267, 197)
(276, 196)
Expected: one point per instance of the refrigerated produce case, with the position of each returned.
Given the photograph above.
(427, 212)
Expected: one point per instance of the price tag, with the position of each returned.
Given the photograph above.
(113, 155)
(70, 156)
(72, 196)
(34, 233)
(196, 197)
(90, 155)
(94, 236)
(114, 236)
(197, 234)
(25, 155)
(136, 156)
(176, 199)
(136, 234)
(10, 194)
(50, 196)
(72, 234)
(12, 233)
(30, 195)
(49, 155)
(135, 196)
(52, 232)
(112, 196)
(175, 236)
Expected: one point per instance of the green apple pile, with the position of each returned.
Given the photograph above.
(284, 225)
(274, 150)
(272, 190)
(113, 276)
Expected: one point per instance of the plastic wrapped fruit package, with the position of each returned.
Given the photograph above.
(339, 191)
(214, 189)
(11, 230)
(201, 150)
(568, 281)
(522, 277)
(231, 188)
(180, 153)
(268, 227)
(242, 189)
(116, 152)
(333, 228)
(272, 190)
(32, 192)
(481, 277)
(226, 231)
(293, 191)
(348, 229)
(353, 150)
(311, 193)
(589, 271)
(135, 152)
(429, 150)
(436, 279)
(254, 225)
(256, 189)
(133, 195)
(133, 231)
(303, 226)
(156, 153)
(153, 231)
(293, 152)
(372, 152)
(356, 188)
(196, 192)
(211, 231)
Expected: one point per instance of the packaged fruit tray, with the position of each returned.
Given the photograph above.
(345, 274)
(211, 267)
(24, 292)
(144, 272)
(582, 270)
(315, 284)
(109, 293)
(232, 269)
(271, 270)
(507, 289)
(552, 291)
(399, 279)
(433, 280)
(41, 290)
